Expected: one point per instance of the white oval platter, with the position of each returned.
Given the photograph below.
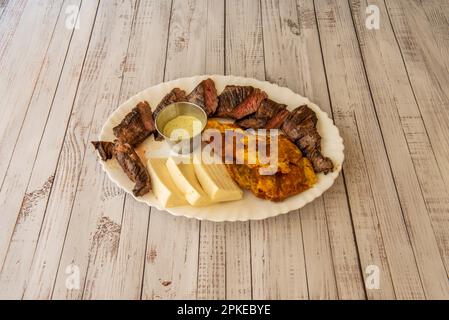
(250, 207)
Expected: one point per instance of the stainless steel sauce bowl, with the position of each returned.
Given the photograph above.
(177, 109)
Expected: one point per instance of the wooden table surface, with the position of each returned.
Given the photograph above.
(67, 232)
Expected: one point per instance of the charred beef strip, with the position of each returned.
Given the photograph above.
(230, 98)
(269, 115)
(251, 123)
(176, 95)
(277, 121)
(300, 127)
(105, 149)
(268, 109)
(129, 161)
(205, 96)
(249, 105)
(133, 167)
(300, 121)
(137, 125)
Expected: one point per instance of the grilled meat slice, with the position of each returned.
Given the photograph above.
(249, 105)
(205, 96)
(137, 125)
(251, 123)
(133, 167)
(310, 145)
(129, 161)
(300, 127)
(320, 163)
(268, 109)
(105, 149)
(230, 98)
(176, 95)
(300, 121)
(278, 119)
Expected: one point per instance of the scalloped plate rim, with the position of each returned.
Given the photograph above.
(337, 148)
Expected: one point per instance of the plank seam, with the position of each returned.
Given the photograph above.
(342, 171)
(142, 282)
(42, 135)
(34, 90)
(385, 148)
(425, 127)
(60, 151)
(82, 163)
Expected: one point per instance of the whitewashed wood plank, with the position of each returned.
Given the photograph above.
(212, 246)
(435, 14)
(238, 261)
(174, 241)
(244, 57)
(49, 110)
(289, 39)
(381, 62)
(94, 231)
(20, 68)
(10, 15)
(120, 275)
(212, 261)
(3, 4)
(96, 97)
(379, 225)
(427, 69)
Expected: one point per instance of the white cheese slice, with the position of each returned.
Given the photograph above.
(163, 186)
(183, 175)
(216, 181)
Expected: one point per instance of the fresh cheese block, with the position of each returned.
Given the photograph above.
(216, 181)
(183, 175)
(162, 184)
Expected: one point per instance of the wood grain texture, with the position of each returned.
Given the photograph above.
(94, 231)
(379, 62)
(24, 55)
(3, 4)
(427, 69)
(10, 16)
(97, 93)
(384, 240)
(36, 153)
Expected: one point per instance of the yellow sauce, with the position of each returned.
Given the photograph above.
(182, 127)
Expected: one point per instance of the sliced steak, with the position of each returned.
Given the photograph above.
(230, 98)
(300, 121)
(133, 167)
(129, 161)
(278, 119)
(300, 127)
(137, 125)
(268, 109)
(249, 105)
(205, 96)
(176, 95)
(251, 123)
(105, 149)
